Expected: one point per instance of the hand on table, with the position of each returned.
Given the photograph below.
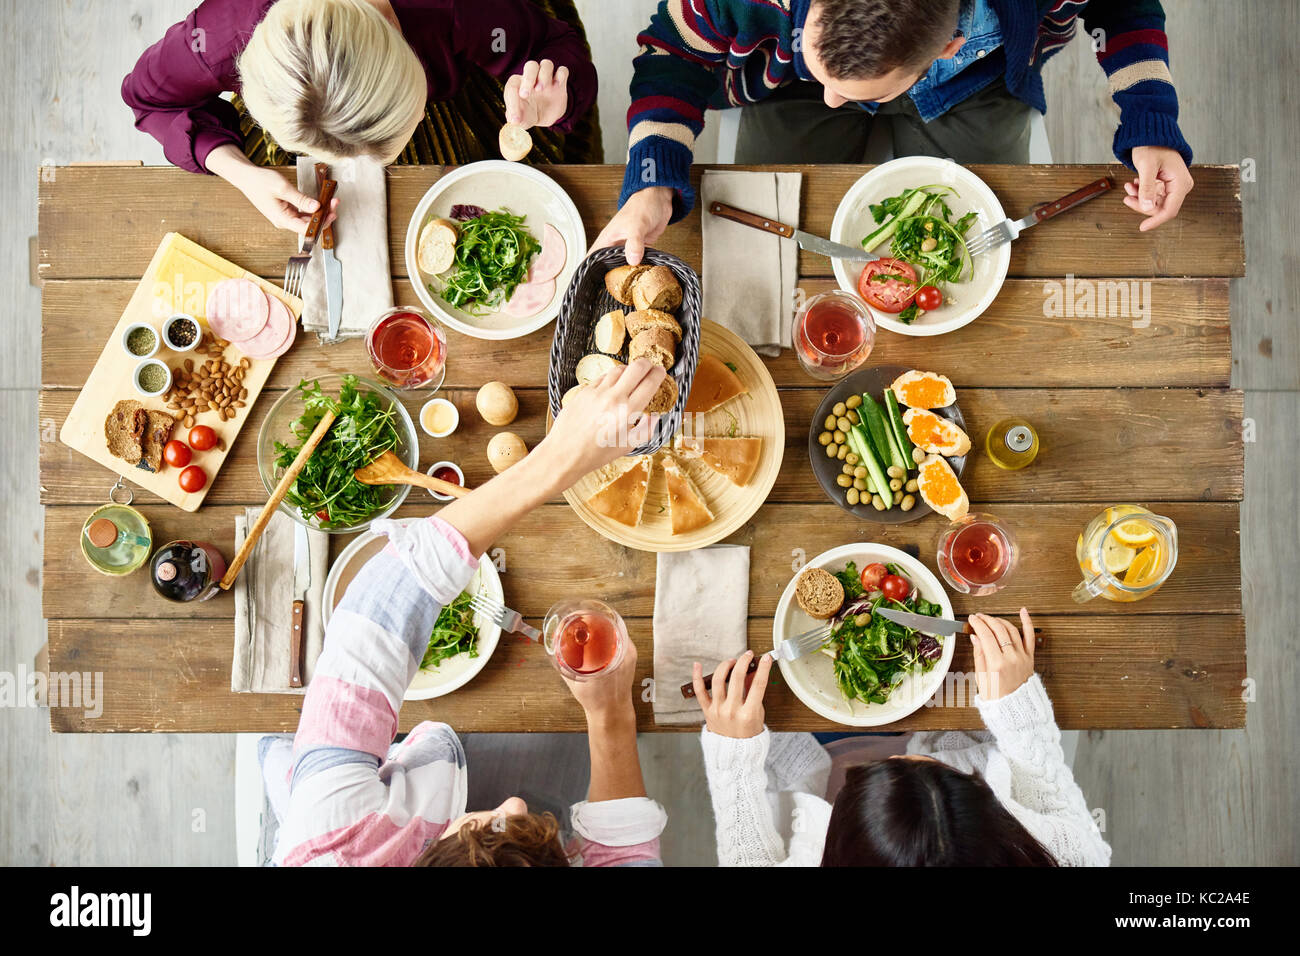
(1004, 657)
(604, 421)
(641, 221)
(539, 96)
(731, 710)
(1162, 184)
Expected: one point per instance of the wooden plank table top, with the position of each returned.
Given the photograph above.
(1128, 411)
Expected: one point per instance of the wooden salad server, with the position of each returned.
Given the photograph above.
(388, 469)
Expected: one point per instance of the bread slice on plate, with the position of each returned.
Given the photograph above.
(917, 389)
(935, 435)
(436, 249)
(687, 508)
(734, 458)
(819, 593)
(714, 384)
(623, 497)
(940, 488)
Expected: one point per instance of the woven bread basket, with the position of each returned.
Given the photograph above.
(586, 300)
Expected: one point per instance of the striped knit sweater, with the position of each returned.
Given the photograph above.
(713, 54)
(356, 799)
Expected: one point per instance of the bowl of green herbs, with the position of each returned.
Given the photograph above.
(368, 420)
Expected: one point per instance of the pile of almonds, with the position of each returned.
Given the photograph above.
(213, 385)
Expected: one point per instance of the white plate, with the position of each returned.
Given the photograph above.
(450, 674)
(964, 300)
(495, 184)
(812, 678)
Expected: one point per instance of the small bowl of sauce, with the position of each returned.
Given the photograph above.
(181, 332)
(140, 341)
(447, 471)
(439, 417)
(152, 378)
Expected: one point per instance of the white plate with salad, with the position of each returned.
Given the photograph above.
(463, 640)
(873, 671)
(492, 247)
(917, 212)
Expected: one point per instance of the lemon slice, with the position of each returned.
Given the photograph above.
(1143, 569)
(1135, 533)
(1115, 555)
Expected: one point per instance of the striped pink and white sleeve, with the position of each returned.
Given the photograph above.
(355, 799)
(617, 832)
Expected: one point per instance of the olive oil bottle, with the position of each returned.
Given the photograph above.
(1012, 444)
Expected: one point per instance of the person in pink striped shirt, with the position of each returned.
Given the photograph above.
(347, 795)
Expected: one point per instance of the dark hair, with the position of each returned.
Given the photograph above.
(528, 839)
(903, 812)
(862, 39)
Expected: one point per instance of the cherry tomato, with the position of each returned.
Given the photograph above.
(887, 294)
(928, 298)
(896, 587)
(177, 453)
(323, 515)
(202, 438)
(193, 479)
(872, 575)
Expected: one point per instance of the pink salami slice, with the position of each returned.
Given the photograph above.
(276, 336)
(237, 309)
(550, 261)
(530, 298)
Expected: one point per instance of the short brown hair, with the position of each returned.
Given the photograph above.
(861, 39)
(529, 839)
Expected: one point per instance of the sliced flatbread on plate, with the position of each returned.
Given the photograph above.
(734, 458)
(623, 497)
(714, 383)
(687, 508)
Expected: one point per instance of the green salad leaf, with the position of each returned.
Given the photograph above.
(454, 633)
(326, 489)
(492, 258)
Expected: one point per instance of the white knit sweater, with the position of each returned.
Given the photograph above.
(768, 790)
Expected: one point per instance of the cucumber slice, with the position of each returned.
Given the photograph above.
(874, 467)
(886, 231)
(882, 434)
(900, 430)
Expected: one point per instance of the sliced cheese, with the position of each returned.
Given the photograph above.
(623, 497)
(686, 506)
(734, 458)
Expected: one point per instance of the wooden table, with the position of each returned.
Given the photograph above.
(1125, 414)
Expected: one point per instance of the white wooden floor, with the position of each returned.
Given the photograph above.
(1199, 798)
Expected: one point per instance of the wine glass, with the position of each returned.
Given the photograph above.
(977, 553)
(833, 334)
(408, 349)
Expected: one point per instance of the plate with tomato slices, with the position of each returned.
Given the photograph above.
(896, 282)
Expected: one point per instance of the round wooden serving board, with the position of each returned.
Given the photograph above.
(756, 414)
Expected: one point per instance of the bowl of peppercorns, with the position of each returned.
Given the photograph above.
(181, 332)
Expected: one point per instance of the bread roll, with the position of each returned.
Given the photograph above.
(655, 344)
(618, 282)
(657, 288)
(611, 332)
(643, 319)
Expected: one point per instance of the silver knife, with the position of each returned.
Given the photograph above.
(936, 625)
(301, 581)
(333, 269)
(806, 240)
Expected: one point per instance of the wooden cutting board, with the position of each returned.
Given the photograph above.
(758, 414)
(178, 279)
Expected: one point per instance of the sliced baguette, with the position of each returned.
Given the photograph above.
(515, 142)
(656, 288)
(611, 332)
(618, 282)
(592, 368)
(819, 593)
(934, 434)
(655, 344)
(917, 389)
(436, 249)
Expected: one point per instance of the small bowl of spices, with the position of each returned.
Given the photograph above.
(140, 341)
(152, 378)
(181, 332)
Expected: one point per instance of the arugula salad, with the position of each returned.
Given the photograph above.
(492, 259)
(872, 655)
(326, 489)
(927, 249)
(454, 633)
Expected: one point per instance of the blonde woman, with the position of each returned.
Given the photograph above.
(413, 80)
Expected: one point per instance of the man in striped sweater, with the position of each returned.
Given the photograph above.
(953, 78)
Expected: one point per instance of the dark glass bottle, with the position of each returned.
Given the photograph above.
(187, 570)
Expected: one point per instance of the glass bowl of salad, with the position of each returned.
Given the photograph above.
(369, 420)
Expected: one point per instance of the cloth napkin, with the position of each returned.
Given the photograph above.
(264, 607)
(701, 612)
(360, 244)
(750, 275)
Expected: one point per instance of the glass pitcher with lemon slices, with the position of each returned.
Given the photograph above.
(1125, 554)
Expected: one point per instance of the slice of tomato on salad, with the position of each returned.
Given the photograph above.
(888, 284)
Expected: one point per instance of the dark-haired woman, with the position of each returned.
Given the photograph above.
(1004, 796)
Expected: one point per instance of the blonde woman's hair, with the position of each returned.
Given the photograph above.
(332, 79)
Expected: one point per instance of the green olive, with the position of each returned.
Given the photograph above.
(829, 424)
(909, 502)
(877, 503)
(853, 401)
(918, 456)
(851, 496)
(839, 409)
(893, 471)
(851, 458)
(838, 437)
(929, 243)
(852, 416)
(844, 481)
(859, 484)
(842, 453)
(847, 470)
(912, 485)
(895, 484)
(860, 471)
(824, 438)
(831, 450)
(843, 424)
(862, 620)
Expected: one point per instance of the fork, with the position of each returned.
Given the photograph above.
(788, 650)
(1001, 233)
(297, 265)
(512, 622)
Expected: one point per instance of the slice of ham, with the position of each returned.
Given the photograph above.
(237, 309)
(276, 336)
(530, 298)
(550, 261)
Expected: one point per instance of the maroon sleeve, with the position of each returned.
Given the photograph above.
(176, 86)
(502, 35)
